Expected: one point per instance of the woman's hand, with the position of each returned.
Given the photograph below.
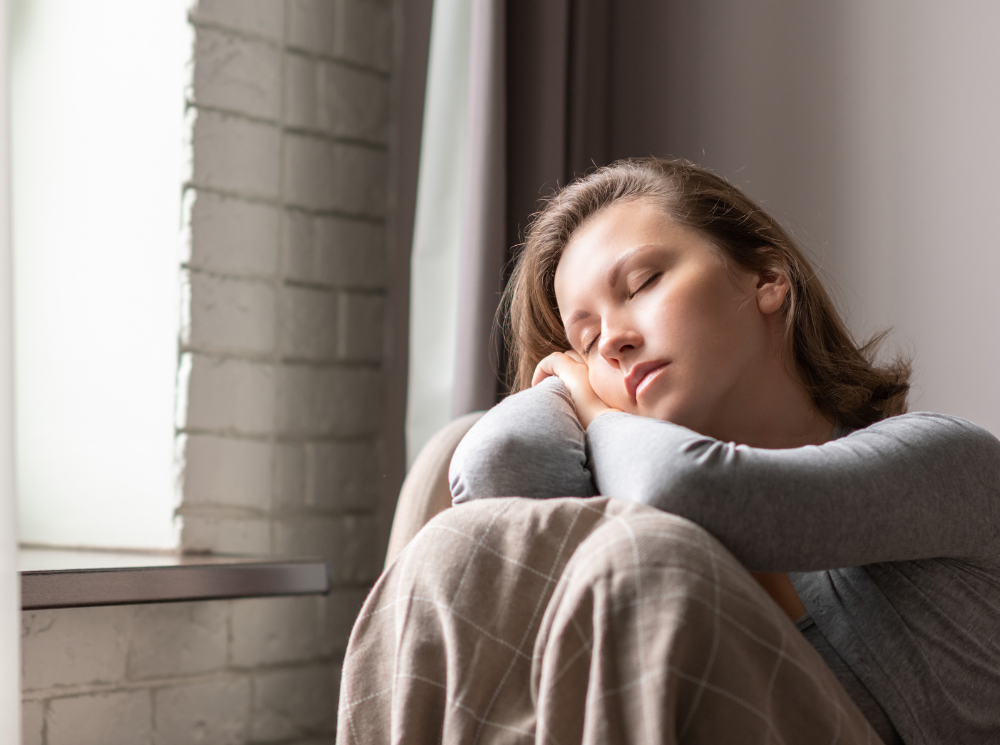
(572, 370)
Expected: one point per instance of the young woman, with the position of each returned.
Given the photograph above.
(673, 347)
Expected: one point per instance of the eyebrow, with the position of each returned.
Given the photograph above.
(616, 270)
(620, 262)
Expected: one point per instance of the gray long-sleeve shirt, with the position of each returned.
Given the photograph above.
(891, 533)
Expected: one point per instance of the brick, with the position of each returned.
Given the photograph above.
(340, 611)
(337, 251)
(236, 154)
(74, 646)
(344, 476)
(32, 722)
(267, 631)
(349, 543)
(292, 703)
(301, 92)
(311, 25)
(362, 33)
(324, 401)
(229, 395)
(229, 315)
(227, 472)
(290, 475)
(178, 639)
(214, 713)
(324, 175)
(353, 103)
(232, 236)
(260, 17)
(236, 73)
(121, 718)
(360, 327)
(308, 328)
(225, 535)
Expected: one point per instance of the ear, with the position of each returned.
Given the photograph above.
(772, 289)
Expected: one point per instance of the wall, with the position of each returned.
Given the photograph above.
(280, 383)
(870, 130)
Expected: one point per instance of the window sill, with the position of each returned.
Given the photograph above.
(73, 578)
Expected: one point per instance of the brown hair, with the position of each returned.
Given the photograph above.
(846, 383)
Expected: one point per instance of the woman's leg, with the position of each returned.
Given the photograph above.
(530, 445)
(585, 621)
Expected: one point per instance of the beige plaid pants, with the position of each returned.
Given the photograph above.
(581, 621)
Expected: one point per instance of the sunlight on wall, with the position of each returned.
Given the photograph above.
(98, 163)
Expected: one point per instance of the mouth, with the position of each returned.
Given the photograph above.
(642, 375)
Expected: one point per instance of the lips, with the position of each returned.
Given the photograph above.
(640, 372)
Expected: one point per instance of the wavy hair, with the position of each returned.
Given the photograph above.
(843, 377)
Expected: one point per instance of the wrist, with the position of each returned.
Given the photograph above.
(590, 412)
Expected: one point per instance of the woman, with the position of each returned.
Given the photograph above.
(657, 289)
(672, 347)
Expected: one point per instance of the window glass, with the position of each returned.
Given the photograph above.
(97, 116)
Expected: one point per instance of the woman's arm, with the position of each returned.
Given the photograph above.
(910, 487)
(529, 445)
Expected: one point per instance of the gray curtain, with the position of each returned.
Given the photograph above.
(539, 107)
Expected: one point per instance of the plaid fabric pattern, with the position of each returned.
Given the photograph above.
(581, 621)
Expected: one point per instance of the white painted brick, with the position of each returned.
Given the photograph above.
(292, 703)
(344, 475)
(356, 30)
(74, 646)
(354, 103)
(32, 722)
(290, 475)
(122, 718)
(229, 315)
(232, 236)
(236, 73)
(267, 631)
(311, 25)
(228, 394)
(178, 639)
(260, 17)
(359, 328)
(235, 154)
(225, 535)
(318, 401)
(349, 543)
(336, 251)
(227, 472)
(339, 614)
(362, 33)
(324, 175)
(214, 713)
(309, 324)
(301, 92)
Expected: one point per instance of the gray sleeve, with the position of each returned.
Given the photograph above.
(529, 445)
(909, 487)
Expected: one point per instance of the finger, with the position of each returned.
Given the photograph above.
(553, 365)
(575, 356)
(543, 370)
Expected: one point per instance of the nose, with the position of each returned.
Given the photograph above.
(619, 339)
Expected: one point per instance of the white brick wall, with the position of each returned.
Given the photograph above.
(280, 392)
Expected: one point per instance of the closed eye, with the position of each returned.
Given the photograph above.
(590, 346)
(645, 284)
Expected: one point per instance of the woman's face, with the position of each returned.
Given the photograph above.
(666, 328)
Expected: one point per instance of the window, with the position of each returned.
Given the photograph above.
(97, 118)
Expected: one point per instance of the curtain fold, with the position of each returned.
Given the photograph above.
(537, 116)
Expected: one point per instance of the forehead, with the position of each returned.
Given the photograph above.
(596, 245)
